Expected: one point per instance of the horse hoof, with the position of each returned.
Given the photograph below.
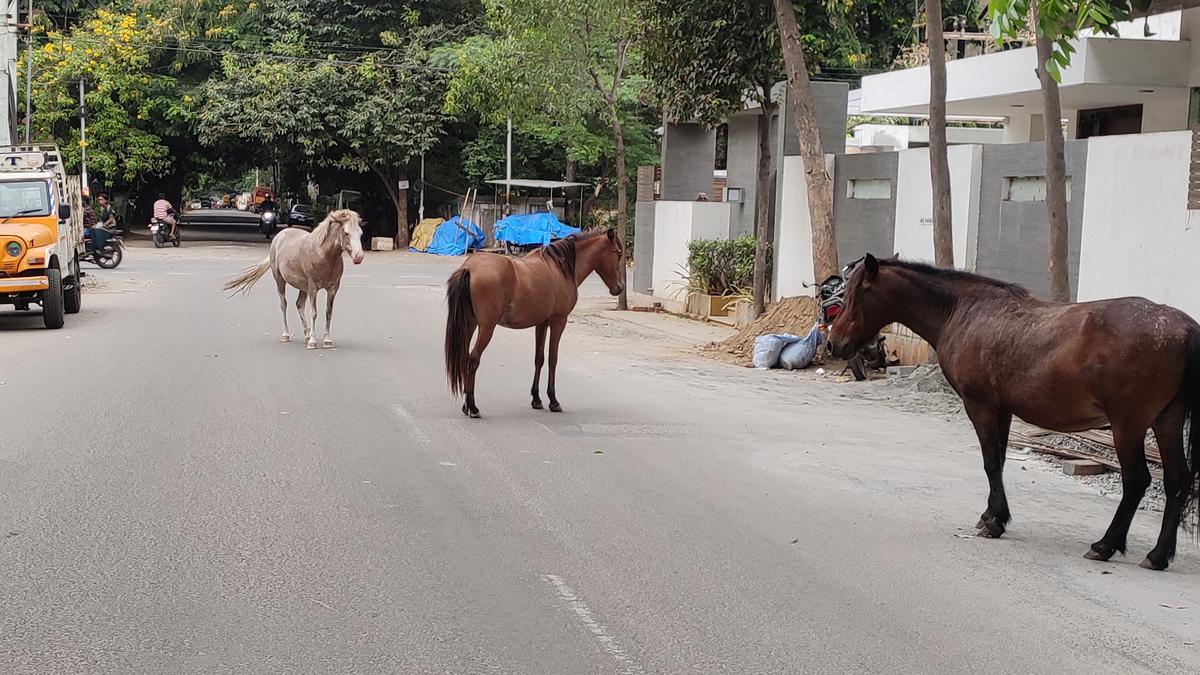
(991, 530)
(285, 338)
(474, 414)
(981, 524)
(311, 344)
(1151, 565)
(555, 407)
(466, 410)
(1099, 553)
(328, 344)
(536, 405)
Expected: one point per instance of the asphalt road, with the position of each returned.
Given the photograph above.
(179, 492)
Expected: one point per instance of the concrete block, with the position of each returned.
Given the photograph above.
(1083, 467)
(382, 244)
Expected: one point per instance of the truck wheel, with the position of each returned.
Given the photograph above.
(52, 300)
(73, 299)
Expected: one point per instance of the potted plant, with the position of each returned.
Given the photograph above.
(719, 275)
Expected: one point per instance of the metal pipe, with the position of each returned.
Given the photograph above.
(83, 141)
(29, 77)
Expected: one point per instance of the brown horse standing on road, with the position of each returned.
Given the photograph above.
(538, 290)
(1126, 362)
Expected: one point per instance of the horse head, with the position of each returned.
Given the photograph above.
(346, 227)
(864, 309)
(609, 262)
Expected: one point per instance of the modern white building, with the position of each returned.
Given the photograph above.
(1144, 81)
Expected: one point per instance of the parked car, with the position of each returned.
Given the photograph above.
(301, 214)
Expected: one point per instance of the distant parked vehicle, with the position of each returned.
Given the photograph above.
(301, 214)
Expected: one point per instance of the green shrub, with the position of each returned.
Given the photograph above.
(723, 267)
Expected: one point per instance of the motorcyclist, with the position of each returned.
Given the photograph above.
(106, 221)
(268, 204)
(165, 213)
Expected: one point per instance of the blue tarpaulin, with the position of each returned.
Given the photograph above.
(532, 228)
(455, 237)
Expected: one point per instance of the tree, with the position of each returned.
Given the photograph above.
(820, 203)
(1056, 25)
(376, 111)
(939, 162)
(580, 51)
(706, 61)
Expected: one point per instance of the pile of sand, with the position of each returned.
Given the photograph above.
(795, 315)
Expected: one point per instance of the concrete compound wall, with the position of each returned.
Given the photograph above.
(741, 170)
(641, 280)
(864, 225)
(914, 204)
(689, 152)
(793, 262)
(1139, 238)
(1013, 236)
(676, 224)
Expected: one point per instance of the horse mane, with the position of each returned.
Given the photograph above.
(561, 253)
(325, 231)
(954, 276)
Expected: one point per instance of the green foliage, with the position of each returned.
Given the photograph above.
(706, 58)
(1059, 21)
(722, 266)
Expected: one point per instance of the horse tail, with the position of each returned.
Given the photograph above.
(1191, 392)
(460, 324)
(243, 282)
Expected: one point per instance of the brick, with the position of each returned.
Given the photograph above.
(1083, 467)
(382, 244)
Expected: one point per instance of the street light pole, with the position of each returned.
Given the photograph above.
(83, 141)
(29, 75)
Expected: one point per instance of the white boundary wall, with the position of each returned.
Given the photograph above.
(1139, 238)
(676, 224)
(914, 204)
(793, 232)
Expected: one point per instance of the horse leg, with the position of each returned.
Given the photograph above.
(1130, 441)
(311, 342)
(329, 295)
(481, 342)
(301, 301)
(992, 426)
(539, 357)
(557, 326)
(1168, 431)
(287, 336)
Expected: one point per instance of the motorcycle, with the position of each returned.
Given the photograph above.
(268, 222)
(830, 298)
(161, 233)
(108, 256)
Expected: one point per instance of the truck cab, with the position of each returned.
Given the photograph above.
(41, 233)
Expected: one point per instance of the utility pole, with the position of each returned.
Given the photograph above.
(28, 73)
(83, 142)
(508, 169)
(421, 211)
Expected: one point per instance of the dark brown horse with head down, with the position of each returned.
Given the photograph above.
(1126, 362)
(537, 291)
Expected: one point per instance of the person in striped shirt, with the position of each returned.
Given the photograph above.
(164, 212)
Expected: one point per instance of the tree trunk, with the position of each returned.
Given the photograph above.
(622, 201)
(939, 164)
(764, 230)
(400, 201)
(1056, 175)
(820, 203)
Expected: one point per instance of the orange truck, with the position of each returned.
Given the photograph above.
(41, 233)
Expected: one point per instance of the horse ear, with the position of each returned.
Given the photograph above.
(612, 234)
(872, 266)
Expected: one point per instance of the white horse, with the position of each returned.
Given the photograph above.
(310, 262)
